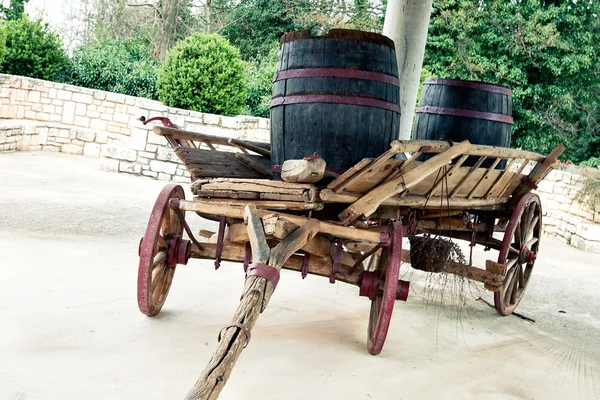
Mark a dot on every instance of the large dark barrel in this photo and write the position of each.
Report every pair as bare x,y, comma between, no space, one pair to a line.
337,95
457,110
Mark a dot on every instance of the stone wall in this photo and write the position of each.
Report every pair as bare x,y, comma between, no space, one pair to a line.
48,116
564,215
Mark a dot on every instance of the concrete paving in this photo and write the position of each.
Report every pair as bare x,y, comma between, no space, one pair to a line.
70,327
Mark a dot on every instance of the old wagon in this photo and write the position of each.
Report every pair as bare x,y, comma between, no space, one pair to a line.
344,227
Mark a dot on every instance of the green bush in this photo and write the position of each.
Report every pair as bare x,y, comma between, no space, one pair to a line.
33,50
593,162
3,49
260,84
122,66
203,73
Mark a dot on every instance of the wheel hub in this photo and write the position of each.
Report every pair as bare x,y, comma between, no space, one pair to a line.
178,251
369,284
526,255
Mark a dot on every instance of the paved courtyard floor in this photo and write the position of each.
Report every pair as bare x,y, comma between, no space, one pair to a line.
70,327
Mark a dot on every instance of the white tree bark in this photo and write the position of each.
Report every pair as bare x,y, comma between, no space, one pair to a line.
406,23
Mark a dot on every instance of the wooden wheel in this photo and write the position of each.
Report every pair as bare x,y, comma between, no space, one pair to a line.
386,277
518,252
160,250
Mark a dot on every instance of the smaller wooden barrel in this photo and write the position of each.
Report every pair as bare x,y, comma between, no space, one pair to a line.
337,95
457,110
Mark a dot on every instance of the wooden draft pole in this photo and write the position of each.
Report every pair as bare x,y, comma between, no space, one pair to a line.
406,23
261,280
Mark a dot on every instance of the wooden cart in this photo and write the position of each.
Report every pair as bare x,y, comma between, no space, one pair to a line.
347,228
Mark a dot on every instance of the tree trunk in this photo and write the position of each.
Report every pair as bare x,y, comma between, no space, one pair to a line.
169,13
406,23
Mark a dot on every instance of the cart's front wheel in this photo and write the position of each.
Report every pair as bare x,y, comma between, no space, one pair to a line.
161,249
518,252
386,275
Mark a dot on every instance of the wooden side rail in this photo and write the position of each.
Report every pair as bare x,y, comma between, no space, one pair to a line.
438,146
201,137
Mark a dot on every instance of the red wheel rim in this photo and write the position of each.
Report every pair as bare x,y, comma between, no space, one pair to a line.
518,252
155,275
382,306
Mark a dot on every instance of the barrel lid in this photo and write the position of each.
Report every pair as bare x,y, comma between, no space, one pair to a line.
349,34
479,85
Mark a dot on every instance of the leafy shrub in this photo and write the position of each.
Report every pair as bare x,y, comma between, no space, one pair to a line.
33,50
2,45
122,66
260,84
203,73
593,162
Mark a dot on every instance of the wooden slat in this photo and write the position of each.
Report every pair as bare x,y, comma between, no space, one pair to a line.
349,173
436,146
497,181
378,163
201,137
513,179
244,144
447,174
202,163
246,159
483,178
268,204
329,196
464,179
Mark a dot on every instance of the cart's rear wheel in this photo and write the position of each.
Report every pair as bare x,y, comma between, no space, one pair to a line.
518,252
161,249
382,306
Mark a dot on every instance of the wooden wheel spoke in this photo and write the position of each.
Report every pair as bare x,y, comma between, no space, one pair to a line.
159,258
521,276
532,226
510,263
518,240
157,278
514,288
162,243
511,282
513,250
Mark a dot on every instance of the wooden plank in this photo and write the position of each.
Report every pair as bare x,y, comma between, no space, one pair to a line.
379,162
447,175
497,181
268,204
349,173
244,144
437,146
324,227
201,137
246,159
329,196
464,179
318,245
202,163
483,178
372,200
262,182
513,180
371,177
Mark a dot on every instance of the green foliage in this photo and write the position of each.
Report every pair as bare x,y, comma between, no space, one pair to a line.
255,24
203,73
548,55
593,162
260,73
125,66
3,49
14,11
33,50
